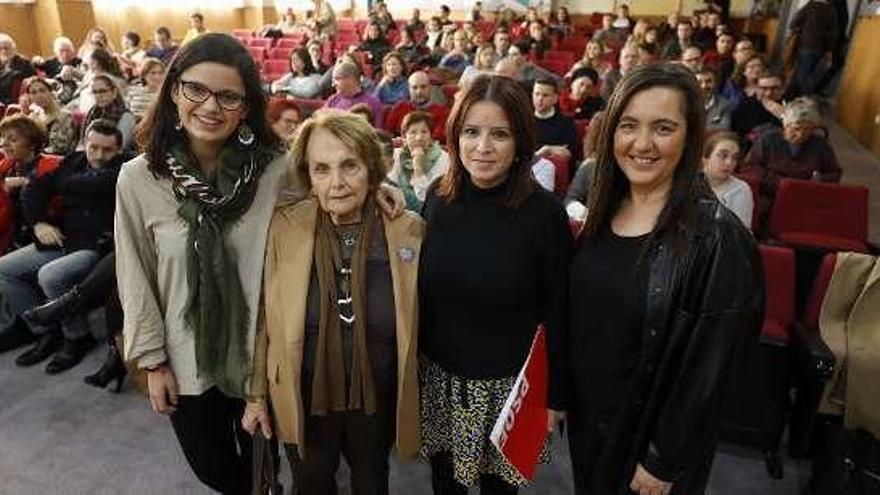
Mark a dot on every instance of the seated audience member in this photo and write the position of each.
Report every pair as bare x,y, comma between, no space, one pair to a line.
327,78
501,42
517,67
537,41
607,35
704,36
99,63
717,107
393,86
196,28
349,91
668,29
163,47
683,39
415,21
13,69
284,116
95,38
583,101
721,155
764,108
554,132
623,20
382,17
409,47
65,55
743,51
420,161
744,82
64,249
289,25
793,152
651,44
721,58
375,44
110,106
459,57
484,63
593,58
692,58
132,55
141,95
530,17
629,59
22,140
433,34
560,22
316,51
44,108
303,81
419,99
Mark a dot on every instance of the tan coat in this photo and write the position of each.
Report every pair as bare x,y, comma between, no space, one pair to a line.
281,326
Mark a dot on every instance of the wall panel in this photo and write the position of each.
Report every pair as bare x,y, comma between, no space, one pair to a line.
858,99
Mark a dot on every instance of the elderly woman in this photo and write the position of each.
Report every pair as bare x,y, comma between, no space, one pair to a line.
794,152
721,155
493,268
336,352
665,291
483,64
44,108
284,117
140,96
393,86
420,161
303,80
110,106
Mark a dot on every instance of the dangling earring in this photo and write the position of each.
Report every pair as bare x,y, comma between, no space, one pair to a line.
245,135
177,125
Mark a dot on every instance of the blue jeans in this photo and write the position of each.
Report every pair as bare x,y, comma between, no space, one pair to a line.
24,270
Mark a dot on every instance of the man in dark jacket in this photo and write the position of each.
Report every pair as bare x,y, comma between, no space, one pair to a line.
13,69
817,30
65,246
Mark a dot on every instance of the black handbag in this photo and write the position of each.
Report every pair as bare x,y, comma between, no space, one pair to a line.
265,473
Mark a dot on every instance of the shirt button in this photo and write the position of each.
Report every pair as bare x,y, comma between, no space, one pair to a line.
652,332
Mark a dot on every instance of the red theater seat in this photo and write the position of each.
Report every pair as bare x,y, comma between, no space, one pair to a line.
820,215
560,178
278,53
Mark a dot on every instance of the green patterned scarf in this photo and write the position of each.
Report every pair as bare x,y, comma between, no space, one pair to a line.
216,310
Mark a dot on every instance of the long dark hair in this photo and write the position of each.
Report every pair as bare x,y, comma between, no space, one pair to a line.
157,133
512,98
304,55
611,186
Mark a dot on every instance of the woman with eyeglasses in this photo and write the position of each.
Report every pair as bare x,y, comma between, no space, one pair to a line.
109,105
192,219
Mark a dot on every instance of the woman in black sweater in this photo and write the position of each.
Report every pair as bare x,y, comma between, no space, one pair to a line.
493,267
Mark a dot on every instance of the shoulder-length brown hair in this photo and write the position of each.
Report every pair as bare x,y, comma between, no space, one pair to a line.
610,185
156,132
512,98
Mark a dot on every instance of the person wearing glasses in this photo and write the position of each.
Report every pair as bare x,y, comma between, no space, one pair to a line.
110,106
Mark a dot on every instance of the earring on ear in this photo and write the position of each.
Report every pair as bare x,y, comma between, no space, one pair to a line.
245,135
178,126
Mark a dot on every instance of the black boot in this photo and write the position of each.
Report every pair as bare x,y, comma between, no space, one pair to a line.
112,369
44,348
72,352
58,309
16,336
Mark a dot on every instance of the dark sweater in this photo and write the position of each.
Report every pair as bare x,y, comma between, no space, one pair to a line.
489,274
557,130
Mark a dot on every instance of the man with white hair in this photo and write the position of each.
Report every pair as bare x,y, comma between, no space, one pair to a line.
65,55
419,99
13,69
793,152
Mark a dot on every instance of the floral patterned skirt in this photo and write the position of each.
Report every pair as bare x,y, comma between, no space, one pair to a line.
457,416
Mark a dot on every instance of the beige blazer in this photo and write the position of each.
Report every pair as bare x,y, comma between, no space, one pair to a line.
281,322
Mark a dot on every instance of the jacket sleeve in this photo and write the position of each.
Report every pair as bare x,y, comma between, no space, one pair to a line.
554,304
259,380
136,274
100,183
829,170
729,297
35,196
755,162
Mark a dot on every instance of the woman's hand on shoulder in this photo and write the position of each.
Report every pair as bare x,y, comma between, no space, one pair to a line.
391,200
256,414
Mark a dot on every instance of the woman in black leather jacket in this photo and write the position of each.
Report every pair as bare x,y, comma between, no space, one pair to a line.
666,290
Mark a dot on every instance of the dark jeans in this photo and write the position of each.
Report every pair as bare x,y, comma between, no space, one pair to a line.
218,450
443,480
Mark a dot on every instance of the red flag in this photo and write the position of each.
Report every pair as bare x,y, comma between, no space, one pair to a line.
521,428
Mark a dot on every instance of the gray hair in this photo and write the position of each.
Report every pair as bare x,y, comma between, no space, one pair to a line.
801,109
346,69
61,41
5,38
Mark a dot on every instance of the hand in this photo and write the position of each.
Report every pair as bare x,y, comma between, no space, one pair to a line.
553,419
773,107
67,73
543,150
48,235
13,183
391,200
256,414
644,483
163,390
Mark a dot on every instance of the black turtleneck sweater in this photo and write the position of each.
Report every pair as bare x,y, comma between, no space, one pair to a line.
489,274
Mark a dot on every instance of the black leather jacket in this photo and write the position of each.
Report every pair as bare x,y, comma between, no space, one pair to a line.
701,311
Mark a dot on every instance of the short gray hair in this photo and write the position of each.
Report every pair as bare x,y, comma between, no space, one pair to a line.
5,38
346,69
61,41
801,109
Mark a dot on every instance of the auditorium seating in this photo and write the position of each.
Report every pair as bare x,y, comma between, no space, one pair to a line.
561,174
818,215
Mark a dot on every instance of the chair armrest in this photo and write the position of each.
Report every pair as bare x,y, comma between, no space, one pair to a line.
815,359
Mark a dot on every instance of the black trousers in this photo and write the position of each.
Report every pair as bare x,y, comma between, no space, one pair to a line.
443,480
364,441
208,427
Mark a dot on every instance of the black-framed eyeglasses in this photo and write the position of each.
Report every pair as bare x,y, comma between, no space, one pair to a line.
199,93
